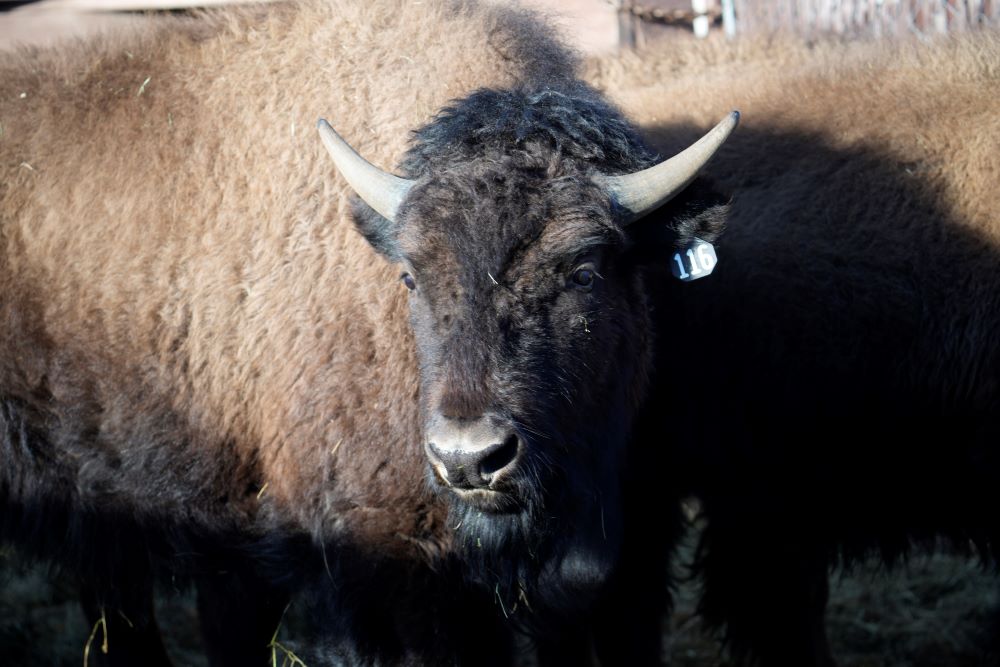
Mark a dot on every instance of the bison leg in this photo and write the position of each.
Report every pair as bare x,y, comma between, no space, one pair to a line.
566,647
768,593
628,627
625,625
127,628
238,615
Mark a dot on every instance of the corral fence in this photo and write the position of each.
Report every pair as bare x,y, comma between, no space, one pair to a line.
637,18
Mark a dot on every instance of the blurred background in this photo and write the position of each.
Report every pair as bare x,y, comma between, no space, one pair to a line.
933,610
595,26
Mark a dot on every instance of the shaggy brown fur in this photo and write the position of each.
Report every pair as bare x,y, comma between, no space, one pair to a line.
844,395
196,344
170,240
208,373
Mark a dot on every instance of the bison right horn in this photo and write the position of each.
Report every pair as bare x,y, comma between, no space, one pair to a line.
380,190
644,191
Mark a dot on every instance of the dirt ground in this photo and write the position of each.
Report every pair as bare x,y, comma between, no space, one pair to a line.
936,611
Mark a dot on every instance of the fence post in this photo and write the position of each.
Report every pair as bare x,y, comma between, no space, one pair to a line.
626,24
729,18
701,21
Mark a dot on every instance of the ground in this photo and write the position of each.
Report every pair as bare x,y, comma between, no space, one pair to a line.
935,611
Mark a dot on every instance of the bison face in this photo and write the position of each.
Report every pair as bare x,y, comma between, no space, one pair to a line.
532,336
530,318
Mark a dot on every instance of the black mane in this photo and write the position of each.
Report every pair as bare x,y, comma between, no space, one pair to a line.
572,121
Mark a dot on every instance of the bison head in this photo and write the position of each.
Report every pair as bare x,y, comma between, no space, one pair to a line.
513,233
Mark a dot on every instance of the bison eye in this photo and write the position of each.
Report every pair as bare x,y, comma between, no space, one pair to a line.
408,280
584,275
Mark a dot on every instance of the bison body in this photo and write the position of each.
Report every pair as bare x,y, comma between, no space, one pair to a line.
850,402
203,360
207,372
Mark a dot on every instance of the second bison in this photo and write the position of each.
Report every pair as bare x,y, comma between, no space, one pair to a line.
847,400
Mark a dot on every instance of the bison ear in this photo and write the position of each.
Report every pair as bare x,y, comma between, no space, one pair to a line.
377,230
698,213
701,213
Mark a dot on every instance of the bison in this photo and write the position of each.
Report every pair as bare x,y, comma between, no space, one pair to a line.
208,373
848,402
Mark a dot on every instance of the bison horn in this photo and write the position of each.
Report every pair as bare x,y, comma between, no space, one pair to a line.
645,191
380,190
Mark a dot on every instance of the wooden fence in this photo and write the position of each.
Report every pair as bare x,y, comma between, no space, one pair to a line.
812,17
871,17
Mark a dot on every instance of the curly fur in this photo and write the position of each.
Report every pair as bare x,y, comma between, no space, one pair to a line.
206,372
199,351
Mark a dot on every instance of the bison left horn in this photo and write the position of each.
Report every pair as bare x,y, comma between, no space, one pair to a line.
380,190
644,191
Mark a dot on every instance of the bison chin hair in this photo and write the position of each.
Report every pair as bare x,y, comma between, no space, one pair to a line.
554,552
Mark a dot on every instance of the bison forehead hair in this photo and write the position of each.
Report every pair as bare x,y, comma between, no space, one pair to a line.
573,122
528,316
504,170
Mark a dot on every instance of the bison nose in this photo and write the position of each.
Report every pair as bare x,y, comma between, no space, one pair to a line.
472,455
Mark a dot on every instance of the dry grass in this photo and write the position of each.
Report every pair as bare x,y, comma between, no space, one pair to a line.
41,622
935,610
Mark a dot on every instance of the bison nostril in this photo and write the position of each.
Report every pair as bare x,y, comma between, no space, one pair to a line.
471,456
499,458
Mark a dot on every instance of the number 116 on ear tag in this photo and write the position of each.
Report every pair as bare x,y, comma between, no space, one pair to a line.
695,260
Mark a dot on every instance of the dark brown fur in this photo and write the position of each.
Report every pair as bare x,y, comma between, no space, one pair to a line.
833,390
503,213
